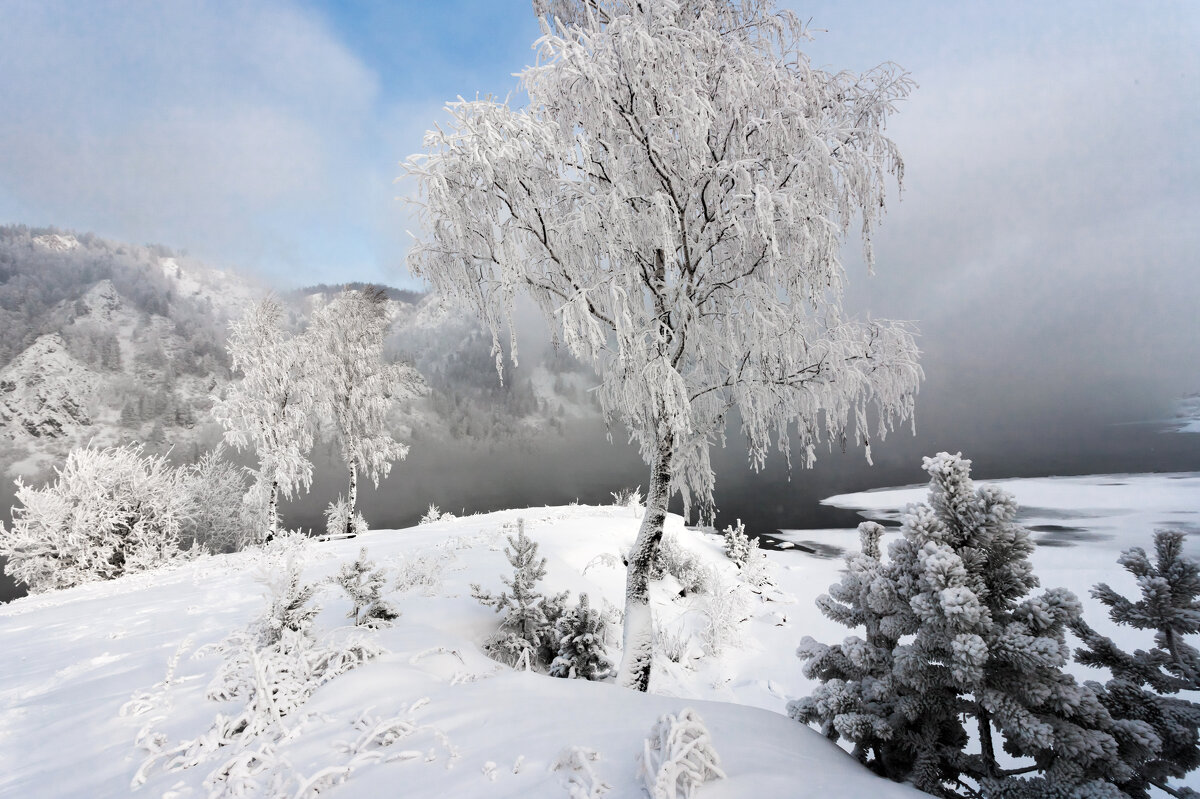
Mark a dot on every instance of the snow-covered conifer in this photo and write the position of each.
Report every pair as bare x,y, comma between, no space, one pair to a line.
270,409
108,512
954,633
526,636
1156,726
581,633
363,583
737,543
674,198
357,387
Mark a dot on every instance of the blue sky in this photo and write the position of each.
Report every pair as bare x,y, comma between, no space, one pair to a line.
1048,225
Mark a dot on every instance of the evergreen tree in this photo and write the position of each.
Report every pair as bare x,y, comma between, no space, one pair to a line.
581,651
953,635
363,583
1157,728
526,636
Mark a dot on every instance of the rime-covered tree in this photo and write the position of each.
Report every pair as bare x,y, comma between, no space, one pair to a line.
271,408
953,634
1157,728
674,198
357,386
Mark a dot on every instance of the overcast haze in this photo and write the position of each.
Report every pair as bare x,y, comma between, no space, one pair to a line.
1045,244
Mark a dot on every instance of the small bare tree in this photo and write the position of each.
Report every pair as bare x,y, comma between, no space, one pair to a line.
674,198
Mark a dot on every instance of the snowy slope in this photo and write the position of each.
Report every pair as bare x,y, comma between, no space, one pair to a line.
73,659
45,392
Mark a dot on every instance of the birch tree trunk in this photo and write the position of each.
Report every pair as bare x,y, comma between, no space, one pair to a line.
273,512
639,624
353,500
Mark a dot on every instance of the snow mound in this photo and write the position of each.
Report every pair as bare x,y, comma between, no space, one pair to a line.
91,669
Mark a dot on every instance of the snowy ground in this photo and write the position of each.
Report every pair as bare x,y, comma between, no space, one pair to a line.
74,659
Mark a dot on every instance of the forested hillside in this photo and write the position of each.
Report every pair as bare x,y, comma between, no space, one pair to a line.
107,342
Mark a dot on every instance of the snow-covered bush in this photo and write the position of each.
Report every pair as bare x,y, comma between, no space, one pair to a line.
757,570
580,779
270,669
1156,727
673,559
725,609
341,519
737,543
435,514
108,512
628,498
678,756
422,572
526,636
582,634
221,521
953,634
363,584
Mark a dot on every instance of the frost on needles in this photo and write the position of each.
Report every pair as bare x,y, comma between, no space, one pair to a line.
955,636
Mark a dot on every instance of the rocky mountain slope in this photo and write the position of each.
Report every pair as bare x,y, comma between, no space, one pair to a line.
107,342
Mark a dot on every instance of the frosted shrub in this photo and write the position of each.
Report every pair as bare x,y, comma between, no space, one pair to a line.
628,498
363,584
435,514
678,757
725,609
422,573
526,637
343,520
221,520
693,576
954,634
579,777
582,634
269,671
737,543
757,570
108,512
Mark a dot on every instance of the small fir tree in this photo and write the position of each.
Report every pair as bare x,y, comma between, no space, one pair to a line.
1157,728
737,543
953,636
526,636
363,583
581,633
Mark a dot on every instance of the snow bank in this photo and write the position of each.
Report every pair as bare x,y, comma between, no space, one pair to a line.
73,659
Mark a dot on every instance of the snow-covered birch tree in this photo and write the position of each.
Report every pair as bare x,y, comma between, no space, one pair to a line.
674,198
271,408
357,386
